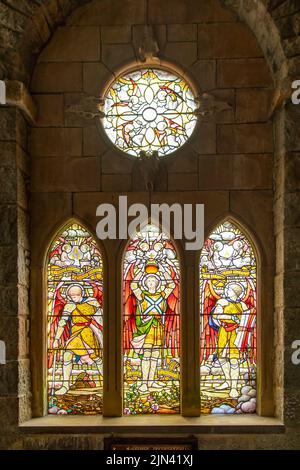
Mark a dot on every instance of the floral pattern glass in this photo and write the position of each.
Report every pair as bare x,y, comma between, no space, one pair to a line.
150,110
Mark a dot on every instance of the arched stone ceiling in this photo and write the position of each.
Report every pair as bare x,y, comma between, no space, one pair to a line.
27,25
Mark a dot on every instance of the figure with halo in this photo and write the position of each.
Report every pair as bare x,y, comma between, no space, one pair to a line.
79,333
153,287
229,316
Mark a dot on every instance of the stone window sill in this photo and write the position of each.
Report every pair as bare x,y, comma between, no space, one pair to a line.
246,424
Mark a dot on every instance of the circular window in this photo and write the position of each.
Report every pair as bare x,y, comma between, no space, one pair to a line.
149,110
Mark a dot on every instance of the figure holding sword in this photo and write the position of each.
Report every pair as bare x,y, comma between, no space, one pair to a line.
235,324
82,318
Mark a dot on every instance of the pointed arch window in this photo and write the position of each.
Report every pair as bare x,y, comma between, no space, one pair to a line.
75,323
228,307
156,367
151,324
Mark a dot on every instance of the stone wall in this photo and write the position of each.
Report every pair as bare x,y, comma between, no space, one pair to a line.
228,165
15,389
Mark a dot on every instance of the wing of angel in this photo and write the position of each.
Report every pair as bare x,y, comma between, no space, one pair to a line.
248,324
208,330
129,310
98,295
58,306
172,325
58,249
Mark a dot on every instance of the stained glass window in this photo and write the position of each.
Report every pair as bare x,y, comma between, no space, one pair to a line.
75,323
151,340
149,110
228,322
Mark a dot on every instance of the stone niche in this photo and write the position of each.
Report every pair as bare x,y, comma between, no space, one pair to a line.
59,165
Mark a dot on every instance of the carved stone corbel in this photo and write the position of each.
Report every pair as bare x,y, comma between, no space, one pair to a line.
87,107
210,106
149,165
145,44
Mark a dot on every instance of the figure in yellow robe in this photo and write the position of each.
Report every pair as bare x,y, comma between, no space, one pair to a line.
86,340
227,316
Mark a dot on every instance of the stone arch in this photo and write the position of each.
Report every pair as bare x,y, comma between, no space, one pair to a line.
32,26
260,21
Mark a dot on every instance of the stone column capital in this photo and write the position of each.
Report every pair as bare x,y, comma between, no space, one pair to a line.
15,93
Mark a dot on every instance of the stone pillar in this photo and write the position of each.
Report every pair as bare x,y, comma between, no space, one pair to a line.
287,231
190,334
291,249
279,273
15,403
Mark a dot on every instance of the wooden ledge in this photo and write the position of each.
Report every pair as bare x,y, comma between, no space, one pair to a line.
153,424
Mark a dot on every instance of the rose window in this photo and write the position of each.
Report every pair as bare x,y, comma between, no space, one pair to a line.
149,110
